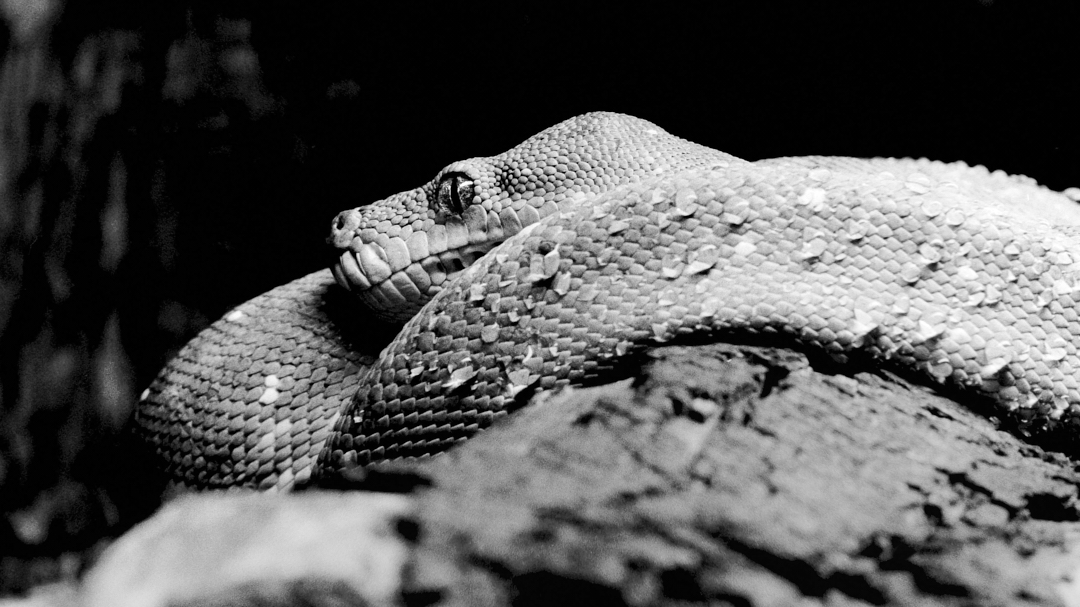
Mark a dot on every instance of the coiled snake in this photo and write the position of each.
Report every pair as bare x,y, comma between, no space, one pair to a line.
545,265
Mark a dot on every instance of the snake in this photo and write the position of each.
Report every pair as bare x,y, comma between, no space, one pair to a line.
448,306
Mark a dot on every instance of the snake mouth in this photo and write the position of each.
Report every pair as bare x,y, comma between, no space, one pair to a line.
394,284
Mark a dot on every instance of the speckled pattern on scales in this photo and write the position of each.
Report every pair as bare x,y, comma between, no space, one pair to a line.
619,236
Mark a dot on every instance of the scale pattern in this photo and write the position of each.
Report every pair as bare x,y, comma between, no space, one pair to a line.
965,278
252,400
398,252
237,406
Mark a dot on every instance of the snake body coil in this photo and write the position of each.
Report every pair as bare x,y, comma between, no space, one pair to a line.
616,236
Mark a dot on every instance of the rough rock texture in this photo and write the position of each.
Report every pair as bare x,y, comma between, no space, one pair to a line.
229,549
721,475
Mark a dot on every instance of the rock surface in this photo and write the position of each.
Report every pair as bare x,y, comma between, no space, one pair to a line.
717,475
264,549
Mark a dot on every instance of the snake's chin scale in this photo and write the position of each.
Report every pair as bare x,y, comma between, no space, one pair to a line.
401,296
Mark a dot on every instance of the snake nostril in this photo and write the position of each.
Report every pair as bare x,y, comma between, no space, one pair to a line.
339,223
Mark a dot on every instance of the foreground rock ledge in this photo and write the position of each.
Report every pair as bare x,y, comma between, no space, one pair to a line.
720,475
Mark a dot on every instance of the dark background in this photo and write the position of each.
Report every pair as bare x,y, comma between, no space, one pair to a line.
162,164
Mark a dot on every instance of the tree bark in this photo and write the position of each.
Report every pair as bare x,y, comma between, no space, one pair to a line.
719,475
104,106
68,162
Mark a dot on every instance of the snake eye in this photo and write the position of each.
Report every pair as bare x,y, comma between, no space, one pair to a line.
455,192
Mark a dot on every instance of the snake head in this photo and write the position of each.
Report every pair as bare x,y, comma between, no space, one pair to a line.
399,252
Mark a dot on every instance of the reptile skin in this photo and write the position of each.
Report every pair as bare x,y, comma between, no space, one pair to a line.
618,237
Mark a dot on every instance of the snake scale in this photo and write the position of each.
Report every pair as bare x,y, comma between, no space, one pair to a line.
546,265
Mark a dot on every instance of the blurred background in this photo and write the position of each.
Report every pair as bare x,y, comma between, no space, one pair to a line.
162,162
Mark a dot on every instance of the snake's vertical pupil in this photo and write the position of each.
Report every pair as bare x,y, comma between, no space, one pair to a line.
462,192
455,193
455,196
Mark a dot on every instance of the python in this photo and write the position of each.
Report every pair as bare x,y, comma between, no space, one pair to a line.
544,266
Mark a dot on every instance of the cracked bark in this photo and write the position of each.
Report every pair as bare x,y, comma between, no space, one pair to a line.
734,475
718,474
